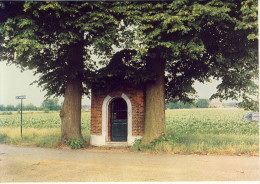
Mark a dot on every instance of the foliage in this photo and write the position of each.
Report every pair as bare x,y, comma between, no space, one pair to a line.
123,69
74,144
30,107
9,108
200,103
158,144
4,138
200,40
178,105
51,104
56,39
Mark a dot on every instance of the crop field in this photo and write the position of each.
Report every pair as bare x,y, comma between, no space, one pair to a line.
208,131
39,128
202,131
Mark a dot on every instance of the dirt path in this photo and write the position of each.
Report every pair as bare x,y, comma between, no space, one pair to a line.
24,164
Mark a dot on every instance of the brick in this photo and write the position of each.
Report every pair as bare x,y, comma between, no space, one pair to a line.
136,96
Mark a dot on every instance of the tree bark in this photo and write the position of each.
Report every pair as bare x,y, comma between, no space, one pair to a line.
155,102
71,111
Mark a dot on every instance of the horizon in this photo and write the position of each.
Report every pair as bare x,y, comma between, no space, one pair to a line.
14,83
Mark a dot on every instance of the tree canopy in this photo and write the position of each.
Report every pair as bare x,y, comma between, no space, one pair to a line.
56,39
201,40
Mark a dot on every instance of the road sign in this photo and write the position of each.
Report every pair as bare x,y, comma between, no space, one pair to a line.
21,97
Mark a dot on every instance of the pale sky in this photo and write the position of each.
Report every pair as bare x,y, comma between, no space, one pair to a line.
13,83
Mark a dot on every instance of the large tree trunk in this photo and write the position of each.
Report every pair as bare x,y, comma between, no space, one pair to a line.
71,111
155,102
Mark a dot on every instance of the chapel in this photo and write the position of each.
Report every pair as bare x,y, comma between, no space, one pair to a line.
117,111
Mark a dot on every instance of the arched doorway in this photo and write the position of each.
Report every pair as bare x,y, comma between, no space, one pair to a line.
118,120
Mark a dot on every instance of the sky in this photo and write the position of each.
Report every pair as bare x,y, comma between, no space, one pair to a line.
14,83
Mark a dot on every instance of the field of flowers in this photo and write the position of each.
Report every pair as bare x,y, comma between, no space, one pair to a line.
217,131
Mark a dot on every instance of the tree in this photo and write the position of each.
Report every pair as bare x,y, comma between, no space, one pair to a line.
56,40
178,105
2,107
30,107
202,103
195,40
51,104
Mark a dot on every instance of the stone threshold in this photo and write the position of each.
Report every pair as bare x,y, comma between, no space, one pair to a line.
116,144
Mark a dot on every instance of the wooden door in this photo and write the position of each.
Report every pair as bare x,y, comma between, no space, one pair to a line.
118,120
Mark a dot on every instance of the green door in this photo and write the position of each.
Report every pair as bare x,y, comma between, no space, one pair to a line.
118,120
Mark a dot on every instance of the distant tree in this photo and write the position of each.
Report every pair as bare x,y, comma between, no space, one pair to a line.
2,108
30,107
202,103
10,108
51,104
18,107
178,105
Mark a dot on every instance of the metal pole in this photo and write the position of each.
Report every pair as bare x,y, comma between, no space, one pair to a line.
21,118
21,97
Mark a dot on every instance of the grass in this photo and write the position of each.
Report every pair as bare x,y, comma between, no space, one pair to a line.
31,136
39,128
202,131
207,131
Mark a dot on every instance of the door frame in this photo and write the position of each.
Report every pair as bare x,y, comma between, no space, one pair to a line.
106,116
102,140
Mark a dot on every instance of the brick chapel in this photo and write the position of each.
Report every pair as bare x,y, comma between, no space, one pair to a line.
118,114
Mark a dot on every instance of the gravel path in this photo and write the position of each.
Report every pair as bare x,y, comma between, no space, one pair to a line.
27,164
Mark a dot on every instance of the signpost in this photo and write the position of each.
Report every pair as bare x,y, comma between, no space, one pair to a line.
21,97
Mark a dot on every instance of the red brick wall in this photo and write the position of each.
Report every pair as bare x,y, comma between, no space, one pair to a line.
136,96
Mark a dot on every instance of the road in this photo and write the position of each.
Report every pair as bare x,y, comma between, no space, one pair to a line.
28,164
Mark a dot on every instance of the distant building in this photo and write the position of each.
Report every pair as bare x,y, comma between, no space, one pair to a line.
254,116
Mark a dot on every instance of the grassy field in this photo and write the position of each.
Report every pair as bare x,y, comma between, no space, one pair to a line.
39,128
202,131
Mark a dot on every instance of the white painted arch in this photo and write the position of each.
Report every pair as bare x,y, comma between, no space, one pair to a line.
102,140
